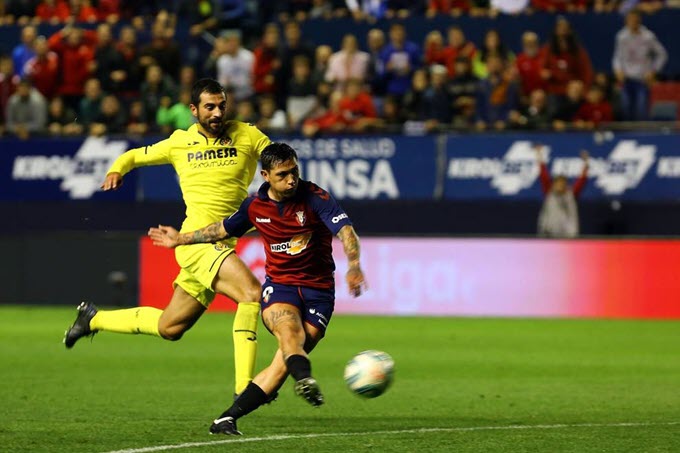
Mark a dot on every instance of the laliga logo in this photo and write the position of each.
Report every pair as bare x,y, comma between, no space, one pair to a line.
81,174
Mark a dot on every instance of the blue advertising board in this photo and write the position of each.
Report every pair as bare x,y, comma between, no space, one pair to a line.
631,166
60,169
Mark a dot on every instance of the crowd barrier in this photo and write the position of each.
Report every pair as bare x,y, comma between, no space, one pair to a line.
498,167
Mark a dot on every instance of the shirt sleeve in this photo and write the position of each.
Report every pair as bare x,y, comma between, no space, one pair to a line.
580,182
546,181
156,154
259,140
238,224
328,210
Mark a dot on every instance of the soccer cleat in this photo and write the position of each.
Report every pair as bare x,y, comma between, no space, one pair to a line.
225,425
81,326
309,390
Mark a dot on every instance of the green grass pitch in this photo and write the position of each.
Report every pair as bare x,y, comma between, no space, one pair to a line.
461,385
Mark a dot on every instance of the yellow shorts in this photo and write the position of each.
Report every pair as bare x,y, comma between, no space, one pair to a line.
200,264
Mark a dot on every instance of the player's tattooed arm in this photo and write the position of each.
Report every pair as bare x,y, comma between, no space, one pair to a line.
166,236
355,276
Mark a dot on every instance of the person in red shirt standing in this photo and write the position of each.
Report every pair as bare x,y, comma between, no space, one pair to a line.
529,64
75,48
458,46
565,60
357,107
43,69
594,111
8,85
267,61
297,221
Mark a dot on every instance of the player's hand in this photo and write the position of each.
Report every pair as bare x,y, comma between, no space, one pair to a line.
113,181
585,156
164,236
355,281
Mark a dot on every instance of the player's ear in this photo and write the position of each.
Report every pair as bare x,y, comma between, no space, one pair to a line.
194,110
265,175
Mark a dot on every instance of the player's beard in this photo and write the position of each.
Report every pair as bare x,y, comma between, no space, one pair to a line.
213,126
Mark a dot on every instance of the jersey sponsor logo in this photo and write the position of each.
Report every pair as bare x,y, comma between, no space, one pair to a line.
263,220
295,246
211,154
300,217
517,170
338,218
81,174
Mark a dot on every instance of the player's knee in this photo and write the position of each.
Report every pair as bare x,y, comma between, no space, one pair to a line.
171,333
251,293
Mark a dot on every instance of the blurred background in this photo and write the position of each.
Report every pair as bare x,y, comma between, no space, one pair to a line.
503,158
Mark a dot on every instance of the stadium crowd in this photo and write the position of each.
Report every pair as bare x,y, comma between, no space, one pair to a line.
124,71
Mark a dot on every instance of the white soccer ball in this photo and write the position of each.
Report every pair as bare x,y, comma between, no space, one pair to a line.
369,373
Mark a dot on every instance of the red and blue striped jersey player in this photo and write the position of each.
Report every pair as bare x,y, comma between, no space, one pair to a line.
297,221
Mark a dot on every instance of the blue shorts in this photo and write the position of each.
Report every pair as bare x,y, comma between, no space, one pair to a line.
315,305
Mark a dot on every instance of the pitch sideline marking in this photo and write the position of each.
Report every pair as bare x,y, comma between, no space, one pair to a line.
239,440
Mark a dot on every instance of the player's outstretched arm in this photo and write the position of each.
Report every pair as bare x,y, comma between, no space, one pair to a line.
355,276
166,236
113,181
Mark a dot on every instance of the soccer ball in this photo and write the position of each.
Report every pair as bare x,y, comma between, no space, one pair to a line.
369,373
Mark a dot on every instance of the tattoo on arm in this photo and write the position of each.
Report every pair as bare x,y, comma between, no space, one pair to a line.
350,243
212,233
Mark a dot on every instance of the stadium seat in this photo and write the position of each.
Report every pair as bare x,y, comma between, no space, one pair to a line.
665,92
664,111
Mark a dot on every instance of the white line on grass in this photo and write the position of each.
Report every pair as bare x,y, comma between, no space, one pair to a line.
240,440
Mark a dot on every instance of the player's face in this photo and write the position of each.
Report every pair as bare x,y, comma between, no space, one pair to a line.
283,179
211,113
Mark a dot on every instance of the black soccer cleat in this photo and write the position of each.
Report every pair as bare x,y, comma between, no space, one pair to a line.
309,390
81,326
225,425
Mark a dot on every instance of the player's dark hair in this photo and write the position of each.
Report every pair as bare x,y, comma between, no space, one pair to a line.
275,154
210,86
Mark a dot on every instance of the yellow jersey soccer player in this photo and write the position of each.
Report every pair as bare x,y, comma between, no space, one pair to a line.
215,160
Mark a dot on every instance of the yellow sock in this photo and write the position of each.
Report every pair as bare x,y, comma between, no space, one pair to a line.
131,320
245,343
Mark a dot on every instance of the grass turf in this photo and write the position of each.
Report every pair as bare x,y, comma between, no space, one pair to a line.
124,392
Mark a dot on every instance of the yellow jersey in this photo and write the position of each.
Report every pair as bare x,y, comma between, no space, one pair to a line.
214,173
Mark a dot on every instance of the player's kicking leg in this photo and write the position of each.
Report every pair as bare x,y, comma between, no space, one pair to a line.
295,341
181,313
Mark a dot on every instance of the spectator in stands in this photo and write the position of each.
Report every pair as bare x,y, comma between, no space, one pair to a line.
20,11
332,120
565,60
481,8
497,97
83,11
301,92
610,93
464,91
245,111
61,119
90,104
295,10
375,40
403,9
458,46
235,67
270,117
25,50
566,108
560,6
594,111
109,65
294,46
111,118
638,56
357,107
155,87
493,46
322,57
438,100
75,48
535,115
176,116
434,49
348,63
109,10
414,104
26,111
267,61
8,86
200,15
559,214
162,50
400,58
392,117
605,6
53,12
529,64
43,69
368,10
455,8
187,78
137,120
127,47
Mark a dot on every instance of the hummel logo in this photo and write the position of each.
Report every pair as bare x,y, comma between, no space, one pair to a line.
261,220
312,310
